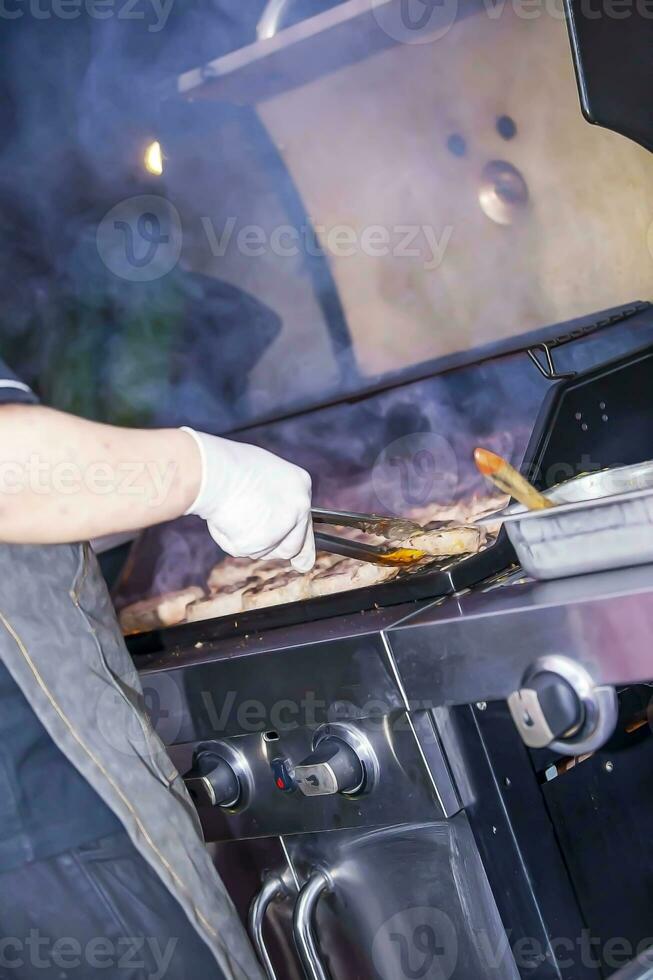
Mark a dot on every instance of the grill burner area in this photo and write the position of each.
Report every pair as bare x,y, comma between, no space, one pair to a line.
559,447
240,585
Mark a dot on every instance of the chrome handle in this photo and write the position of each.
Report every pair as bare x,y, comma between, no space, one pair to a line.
303,925
273,887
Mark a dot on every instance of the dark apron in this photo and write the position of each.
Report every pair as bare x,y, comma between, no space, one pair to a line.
61,643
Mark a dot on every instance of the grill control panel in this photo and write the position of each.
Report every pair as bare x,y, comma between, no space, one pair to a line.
218,777
342,761
559,707
357,773
332,767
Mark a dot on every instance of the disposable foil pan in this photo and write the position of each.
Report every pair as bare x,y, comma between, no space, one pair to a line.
602,520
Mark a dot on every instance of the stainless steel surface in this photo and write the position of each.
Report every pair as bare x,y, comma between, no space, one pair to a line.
409,900
402,857
272,887
477,647
281,679
268,694
599,710
405,789
307,947
464,649
603,520
386,527
430,746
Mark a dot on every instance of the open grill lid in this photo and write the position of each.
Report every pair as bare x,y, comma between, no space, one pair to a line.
613,58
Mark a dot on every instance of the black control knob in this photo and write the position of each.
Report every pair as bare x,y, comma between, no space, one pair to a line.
559,702
212,781
548,708
332,767
559,706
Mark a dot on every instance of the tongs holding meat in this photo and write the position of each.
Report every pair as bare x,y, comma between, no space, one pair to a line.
392,528
410,543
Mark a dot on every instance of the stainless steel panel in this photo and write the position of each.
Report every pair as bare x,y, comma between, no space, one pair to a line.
435,760
405,790
302,676
405,902
478,647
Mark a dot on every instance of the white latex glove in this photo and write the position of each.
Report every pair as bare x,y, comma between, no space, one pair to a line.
256,504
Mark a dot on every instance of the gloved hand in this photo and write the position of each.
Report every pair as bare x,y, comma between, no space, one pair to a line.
256,504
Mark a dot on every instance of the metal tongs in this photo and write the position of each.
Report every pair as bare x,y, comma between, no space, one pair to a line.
392,528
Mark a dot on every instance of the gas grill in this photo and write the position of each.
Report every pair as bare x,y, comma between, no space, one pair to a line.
438,776
569,436
380,716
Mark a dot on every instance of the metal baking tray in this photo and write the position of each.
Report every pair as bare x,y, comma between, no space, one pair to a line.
602,520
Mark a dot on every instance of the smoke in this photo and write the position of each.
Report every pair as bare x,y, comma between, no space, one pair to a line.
237,326
223,338
80,100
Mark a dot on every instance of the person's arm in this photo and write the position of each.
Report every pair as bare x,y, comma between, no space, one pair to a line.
65,479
